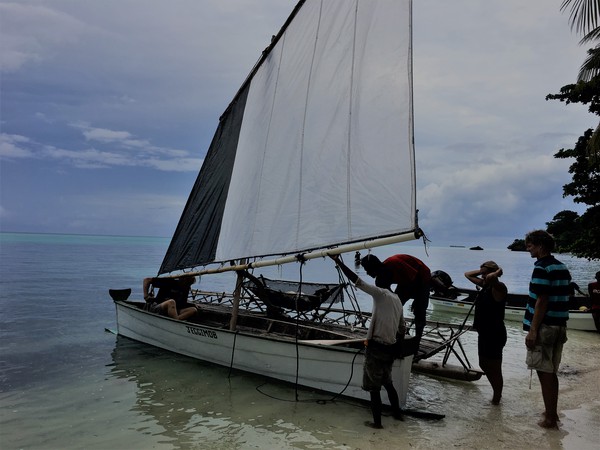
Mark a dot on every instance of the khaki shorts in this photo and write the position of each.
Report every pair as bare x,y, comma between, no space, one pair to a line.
547,353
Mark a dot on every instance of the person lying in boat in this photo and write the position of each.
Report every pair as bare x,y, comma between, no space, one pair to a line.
387,326
412,279
172,297
489,323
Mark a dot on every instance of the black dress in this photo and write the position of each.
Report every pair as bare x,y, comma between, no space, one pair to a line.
489,323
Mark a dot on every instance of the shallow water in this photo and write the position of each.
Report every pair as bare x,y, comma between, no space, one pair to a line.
67,383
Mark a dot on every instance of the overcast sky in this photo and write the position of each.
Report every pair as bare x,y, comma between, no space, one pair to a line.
108,107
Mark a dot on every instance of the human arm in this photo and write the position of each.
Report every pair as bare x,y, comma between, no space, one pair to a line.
541,306
474,276
147,289
499,290
345,269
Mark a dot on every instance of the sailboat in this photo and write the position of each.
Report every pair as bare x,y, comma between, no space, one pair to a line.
314,156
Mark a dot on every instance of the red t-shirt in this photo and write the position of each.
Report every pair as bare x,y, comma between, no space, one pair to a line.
406,269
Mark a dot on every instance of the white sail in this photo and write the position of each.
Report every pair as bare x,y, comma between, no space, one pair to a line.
325,148
325,151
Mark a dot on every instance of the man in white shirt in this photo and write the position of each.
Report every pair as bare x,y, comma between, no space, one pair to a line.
387,325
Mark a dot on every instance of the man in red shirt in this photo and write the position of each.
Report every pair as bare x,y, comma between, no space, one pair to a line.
412,279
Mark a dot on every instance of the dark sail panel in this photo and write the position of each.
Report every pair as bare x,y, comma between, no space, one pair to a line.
195,240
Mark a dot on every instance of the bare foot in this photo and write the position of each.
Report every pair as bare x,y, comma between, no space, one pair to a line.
556,418
548,423
377,426
496,400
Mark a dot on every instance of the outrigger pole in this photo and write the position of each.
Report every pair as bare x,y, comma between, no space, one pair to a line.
321,253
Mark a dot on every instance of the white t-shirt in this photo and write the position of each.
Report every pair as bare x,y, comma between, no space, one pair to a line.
387,313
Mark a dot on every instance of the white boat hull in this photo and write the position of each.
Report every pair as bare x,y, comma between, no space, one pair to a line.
578,320
321,366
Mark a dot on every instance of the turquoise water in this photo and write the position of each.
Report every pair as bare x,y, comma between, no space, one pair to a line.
67,383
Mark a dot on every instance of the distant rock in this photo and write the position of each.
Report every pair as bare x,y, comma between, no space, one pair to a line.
518,245
476,248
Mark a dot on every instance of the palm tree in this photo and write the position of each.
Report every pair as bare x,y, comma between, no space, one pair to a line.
584,17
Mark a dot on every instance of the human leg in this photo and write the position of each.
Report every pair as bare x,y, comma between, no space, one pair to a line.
420,304
170,307
550,386
375,409
394,402
376,373
186,313
490,344
493,371
552,339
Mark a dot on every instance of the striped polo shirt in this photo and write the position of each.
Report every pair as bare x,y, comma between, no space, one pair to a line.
550,277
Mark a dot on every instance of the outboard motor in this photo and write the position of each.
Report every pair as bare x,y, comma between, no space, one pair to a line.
441,284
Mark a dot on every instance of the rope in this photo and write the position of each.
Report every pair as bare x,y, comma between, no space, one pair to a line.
232,353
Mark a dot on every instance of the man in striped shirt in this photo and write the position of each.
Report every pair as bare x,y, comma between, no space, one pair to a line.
546,318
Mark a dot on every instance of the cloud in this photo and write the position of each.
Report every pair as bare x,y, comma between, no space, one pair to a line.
31,33
124,151
14,146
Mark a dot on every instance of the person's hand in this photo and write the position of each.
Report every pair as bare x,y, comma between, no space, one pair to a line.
530,339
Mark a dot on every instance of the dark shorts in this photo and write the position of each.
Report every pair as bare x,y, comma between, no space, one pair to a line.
156,309
490,343
377,370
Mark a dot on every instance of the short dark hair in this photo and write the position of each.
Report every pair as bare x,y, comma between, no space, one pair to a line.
370,262
542,238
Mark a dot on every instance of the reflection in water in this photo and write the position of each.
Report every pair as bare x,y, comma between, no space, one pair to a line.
190,403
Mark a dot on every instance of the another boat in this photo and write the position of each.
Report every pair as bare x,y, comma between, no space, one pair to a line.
313,156
461,302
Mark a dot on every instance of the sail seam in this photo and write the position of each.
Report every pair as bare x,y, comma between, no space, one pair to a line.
349,137
306,100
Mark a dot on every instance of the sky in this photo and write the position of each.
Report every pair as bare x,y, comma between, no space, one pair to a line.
107,109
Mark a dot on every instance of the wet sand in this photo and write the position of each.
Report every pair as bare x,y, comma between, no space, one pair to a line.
512,424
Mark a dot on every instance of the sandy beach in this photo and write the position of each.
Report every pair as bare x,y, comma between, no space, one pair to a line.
512,424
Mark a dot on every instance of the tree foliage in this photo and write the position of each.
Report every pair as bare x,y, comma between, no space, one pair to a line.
577,234
518,245
565,228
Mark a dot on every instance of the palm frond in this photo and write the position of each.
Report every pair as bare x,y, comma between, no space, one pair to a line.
593,35
584,14
591,66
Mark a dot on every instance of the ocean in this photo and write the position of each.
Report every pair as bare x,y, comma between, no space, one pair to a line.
68,382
